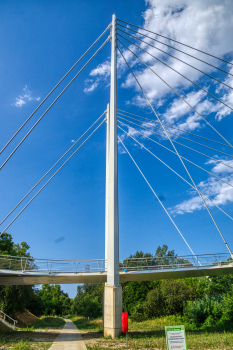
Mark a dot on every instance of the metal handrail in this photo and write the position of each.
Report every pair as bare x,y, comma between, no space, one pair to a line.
5,315
26,264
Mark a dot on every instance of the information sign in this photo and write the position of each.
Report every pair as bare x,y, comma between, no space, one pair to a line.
175,338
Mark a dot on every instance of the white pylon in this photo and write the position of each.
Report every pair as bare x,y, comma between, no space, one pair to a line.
113,290
113,217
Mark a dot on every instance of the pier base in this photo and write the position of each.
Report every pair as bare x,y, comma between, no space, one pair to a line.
112,311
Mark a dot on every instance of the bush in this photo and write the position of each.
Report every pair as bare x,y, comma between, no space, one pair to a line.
134,293
207,310
175,293
154,304
138,314
227,307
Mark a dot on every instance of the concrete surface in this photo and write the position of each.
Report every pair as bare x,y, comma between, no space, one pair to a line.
69,338
9,277
112,311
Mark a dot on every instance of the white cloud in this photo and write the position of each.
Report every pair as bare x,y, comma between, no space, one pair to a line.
92,86
101,72
202,24
221,168
72,141
19,102
103,69
219,192
24,98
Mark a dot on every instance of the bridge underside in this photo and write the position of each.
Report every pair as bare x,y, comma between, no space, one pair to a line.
8,277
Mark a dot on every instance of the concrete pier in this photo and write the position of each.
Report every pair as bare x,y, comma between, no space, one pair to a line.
112,311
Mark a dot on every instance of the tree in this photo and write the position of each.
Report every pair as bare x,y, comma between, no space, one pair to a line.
8,247
134,293
162,256
14,298
175,293
154,305
89,300
53,300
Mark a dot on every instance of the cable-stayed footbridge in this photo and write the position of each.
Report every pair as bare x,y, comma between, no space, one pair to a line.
111,270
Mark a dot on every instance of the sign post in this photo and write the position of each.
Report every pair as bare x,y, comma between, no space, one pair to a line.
176,338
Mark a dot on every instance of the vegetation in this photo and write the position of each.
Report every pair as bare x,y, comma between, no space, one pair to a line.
27,344
89,300
49,300
83,324
150,334
205,303
38,335
14,298
201,304
48,322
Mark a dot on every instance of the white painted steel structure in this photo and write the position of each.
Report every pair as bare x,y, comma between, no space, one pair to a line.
112,168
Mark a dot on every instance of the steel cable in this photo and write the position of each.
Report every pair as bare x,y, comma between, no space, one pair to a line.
184,75
181,144
196,58
174,172
51,169
54,89
155,127
177,94
173,127
178,42
53,103
51,178
178,155
158,199
181,157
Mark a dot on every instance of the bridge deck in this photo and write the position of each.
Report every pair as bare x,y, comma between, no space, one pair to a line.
9,277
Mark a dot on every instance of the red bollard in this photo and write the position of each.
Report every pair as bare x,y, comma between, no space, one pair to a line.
125,326
124,322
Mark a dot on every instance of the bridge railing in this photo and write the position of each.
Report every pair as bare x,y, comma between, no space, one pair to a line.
50,266
175,262
25,264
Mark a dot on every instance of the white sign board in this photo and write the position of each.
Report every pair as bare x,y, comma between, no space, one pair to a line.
175,338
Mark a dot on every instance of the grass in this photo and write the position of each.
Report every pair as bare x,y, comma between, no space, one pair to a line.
84,324
23,344
37,336
47,322
150,334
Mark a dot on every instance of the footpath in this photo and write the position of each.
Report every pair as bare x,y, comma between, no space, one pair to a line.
69,338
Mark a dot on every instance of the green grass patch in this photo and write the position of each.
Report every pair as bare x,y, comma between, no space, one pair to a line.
84,324
26,344
150,334
47,322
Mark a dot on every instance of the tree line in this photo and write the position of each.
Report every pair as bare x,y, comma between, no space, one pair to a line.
48,300
201,301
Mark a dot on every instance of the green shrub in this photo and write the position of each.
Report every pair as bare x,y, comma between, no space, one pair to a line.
227,307
154,304
138,313
207,310
175,293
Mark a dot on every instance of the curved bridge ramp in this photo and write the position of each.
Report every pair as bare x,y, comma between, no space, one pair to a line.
25,271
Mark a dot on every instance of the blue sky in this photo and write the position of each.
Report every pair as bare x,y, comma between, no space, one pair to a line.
40,41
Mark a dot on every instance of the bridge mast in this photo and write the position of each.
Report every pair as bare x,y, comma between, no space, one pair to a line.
113,290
